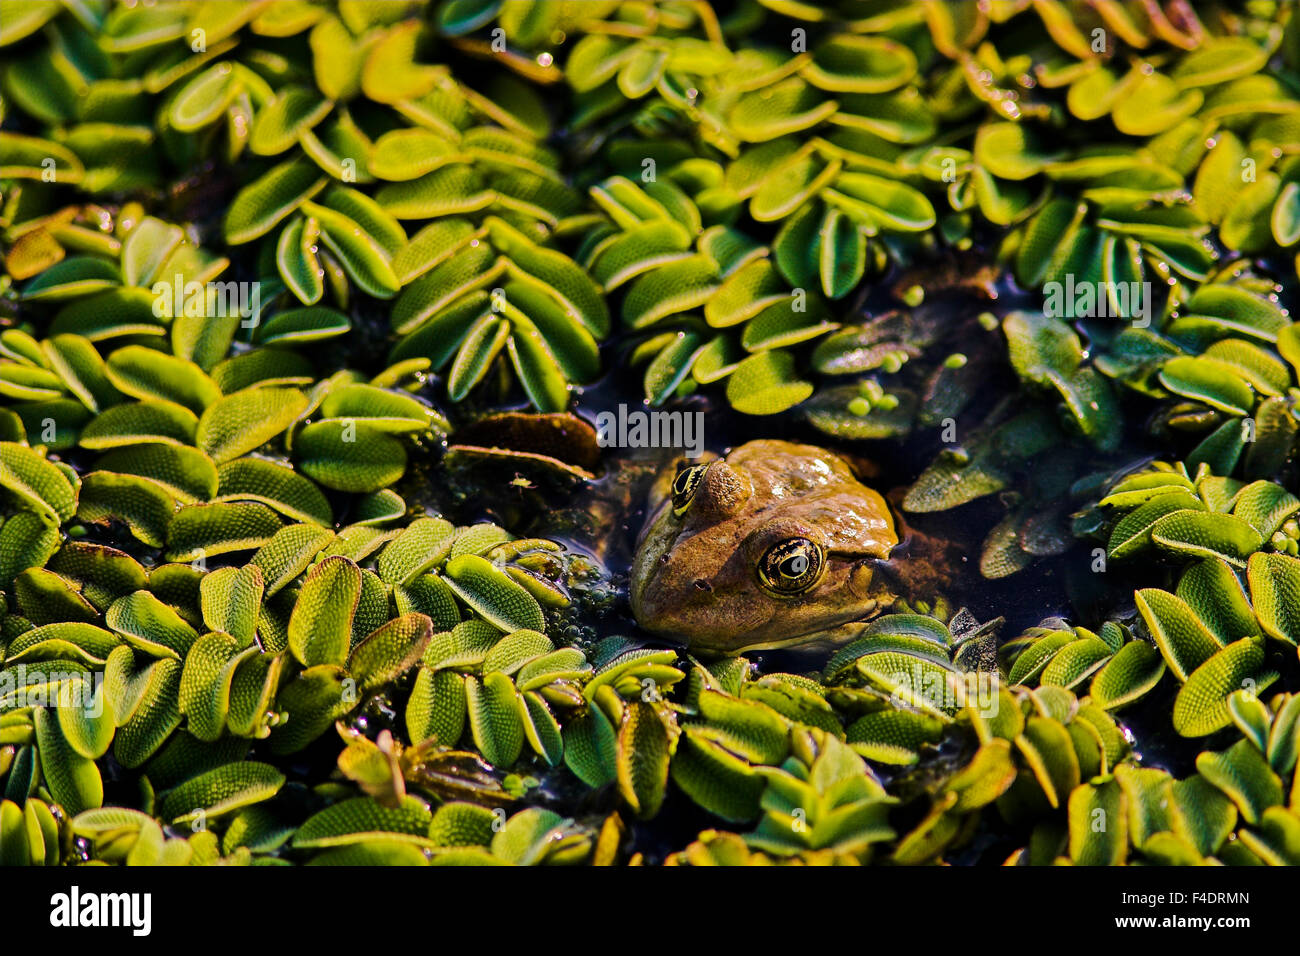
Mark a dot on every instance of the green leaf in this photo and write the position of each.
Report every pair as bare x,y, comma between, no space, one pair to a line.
1212,590
1133,532
366,261
672,289
320,629
1010,151
220,791
788,106
1285,221
842,254
74,276
77,362
452,189
147,247
404,154
494,718
1200,534
1127,676
361,819
301,326
201,531
205,97
240,423
288,552
766,384
297,261
145,507
882,203
37,483
390,74
436,707
860,64
209,668
1209,381
148,374
1275,593
493,594
590,748
790,185
279,122
139,423
642,758
151,626
671,366
230,601
420,546
313,701
1265,505
712,777
515,650
73,779
1201,707
537,367
274,485
349,455
1090,845
153,717
265,202
1242,773
390,651
1183,640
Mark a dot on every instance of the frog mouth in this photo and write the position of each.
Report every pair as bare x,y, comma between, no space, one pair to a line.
669,616
823,637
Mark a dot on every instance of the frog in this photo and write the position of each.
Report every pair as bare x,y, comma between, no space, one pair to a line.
775,545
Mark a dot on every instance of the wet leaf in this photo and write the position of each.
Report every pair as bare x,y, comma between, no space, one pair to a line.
1202,704
493,594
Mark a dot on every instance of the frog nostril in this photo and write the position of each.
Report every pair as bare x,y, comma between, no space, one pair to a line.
703,585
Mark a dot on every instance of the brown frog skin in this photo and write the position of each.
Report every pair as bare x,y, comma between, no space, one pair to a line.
775,545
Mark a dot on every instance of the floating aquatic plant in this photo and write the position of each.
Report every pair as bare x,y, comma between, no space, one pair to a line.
260,257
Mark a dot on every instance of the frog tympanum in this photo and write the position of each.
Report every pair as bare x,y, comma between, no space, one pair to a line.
776,544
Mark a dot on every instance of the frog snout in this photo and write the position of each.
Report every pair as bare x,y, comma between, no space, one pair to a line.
665,599
661,606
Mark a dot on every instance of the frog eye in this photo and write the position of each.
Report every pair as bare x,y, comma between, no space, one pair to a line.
792,566
684,485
